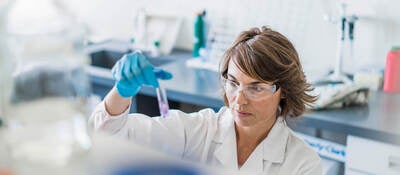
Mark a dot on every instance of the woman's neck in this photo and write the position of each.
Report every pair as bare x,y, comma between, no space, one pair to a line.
254,134
248,138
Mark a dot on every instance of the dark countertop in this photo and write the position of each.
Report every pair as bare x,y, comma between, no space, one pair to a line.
379,120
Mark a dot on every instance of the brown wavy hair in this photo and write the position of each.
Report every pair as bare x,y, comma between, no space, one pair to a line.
268,56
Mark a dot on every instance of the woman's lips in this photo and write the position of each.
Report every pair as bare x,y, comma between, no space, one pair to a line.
242,113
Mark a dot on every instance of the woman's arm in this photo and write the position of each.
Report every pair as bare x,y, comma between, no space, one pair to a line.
115,104
130,73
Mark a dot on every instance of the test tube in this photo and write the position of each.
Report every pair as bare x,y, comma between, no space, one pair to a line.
162,101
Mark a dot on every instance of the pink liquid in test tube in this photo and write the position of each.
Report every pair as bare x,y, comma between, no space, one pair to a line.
162,101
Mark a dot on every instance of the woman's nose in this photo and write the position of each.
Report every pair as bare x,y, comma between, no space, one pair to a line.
240,97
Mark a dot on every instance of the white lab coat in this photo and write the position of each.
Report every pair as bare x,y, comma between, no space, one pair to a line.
209,137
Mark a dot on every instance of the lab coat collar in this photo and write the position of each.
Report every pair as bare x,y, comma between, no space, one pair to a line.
225,138
272,148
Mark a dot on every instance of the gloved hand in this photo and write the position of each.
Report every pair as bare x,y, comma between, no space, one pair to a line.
132,71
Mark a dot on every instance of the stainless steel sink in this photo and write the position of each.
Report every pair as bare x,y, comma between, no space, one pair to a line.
106,54
107,58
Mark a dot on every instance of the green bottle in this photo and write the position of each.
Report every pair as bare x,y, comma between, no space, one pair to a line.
198,35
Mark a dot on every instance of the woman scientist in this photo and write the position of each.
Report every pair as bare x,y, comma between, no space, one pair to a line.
263,84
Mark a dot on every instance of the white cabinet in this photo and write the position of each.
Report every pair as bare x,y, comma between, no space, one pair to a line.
366,157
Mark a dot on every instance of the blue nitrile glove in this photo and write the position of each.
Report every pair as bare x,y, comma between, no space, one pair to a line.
132,71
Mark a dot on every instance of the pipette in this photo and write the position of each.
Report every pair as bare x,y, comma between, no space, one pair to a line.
162,101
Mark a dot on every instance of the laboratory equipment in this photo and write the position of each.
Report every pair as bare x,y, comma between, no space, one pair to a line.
198,35
338,76
351,20
340,95
392,71
140,30
162,101
155,49
150,28
220,36
372,78
44,89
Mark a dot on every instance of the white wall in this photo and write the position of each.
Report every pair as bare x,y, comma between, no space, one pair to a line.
301,20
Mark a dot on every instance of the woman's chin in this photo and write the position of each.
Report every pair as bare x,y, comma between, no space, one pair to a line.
243,122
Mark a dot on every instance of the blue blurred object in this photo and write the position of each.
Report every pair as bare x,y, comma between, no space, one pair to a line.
132,71
157,169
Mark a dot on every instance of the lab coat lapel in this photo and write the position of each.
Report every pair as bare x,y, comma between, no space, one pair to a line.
255,163
274,146
271,150
225,151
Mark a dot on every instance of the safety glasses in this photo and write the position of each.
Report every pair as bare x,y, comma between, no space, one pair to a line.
252,91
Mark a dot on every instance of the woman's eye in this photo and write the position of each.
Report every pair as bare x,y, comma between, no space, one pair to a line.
257,88
232,83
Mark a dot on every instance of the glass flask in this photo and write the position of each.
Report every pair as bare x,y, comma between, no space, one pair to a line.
44,88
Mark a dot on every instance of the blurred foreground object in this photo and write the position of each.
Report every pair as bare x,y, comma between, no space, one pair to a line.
112,155
44,88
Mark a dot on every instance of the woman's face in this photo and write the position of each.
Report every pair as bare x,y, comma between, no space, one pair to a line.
254,111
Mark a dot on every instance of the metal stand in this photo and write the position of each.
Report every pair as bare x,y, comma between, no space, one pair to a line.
338,76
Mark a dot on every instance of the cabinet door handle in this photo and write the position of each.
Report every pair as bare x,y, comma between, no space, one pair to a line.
394,162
